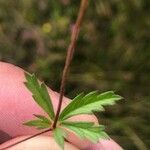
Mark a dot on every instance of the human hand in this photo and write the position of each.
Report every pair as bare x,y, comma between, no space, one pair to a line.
17,106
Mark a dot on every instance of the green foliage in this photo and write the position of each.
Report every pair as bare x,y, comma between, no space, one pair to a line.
81,104
86,130
59,136
86,104
43,118
40,94
39,124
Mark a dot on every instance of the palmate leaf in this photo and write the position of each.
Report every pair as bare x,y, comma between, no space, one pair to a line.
40,94
81,104
86,130
59,135
86,104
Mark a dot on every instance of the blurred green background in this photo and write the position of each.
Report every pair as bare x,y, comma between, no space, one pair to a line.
113,53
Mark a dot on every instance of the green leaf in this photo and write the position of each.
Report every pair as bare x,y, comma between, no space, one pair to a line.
79,124
40,94
74,126
86,104
59,135
86,130
40,124
43,118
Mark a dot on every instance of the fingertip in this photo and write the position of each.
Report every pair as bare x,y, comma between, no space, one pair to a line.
105,145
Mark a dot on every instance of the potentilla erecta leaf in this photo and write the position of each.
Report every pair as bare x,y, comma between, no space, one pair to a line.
86,130
40,94
86,104
81,104
59,135
43,118
39,124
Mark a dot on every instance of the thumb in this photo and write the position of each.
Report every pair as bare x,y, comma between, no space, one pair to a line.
37,143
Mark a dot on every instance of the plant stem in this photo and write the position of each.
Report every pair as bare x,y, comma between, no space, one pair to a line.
28,138
70,53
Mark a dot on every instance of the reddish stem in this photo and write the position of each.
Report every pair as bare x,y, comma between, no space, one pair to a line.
70,53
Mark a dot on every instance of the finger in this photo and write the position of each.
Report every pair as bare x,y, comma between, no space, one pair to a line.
37,143
104,145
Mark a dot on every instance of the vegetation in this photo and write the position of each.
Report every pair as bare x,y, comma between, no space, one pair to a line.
112,54
81,104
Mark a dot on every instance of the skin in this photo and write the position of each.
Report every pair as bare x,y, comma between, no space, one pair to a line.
38,143
17,106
